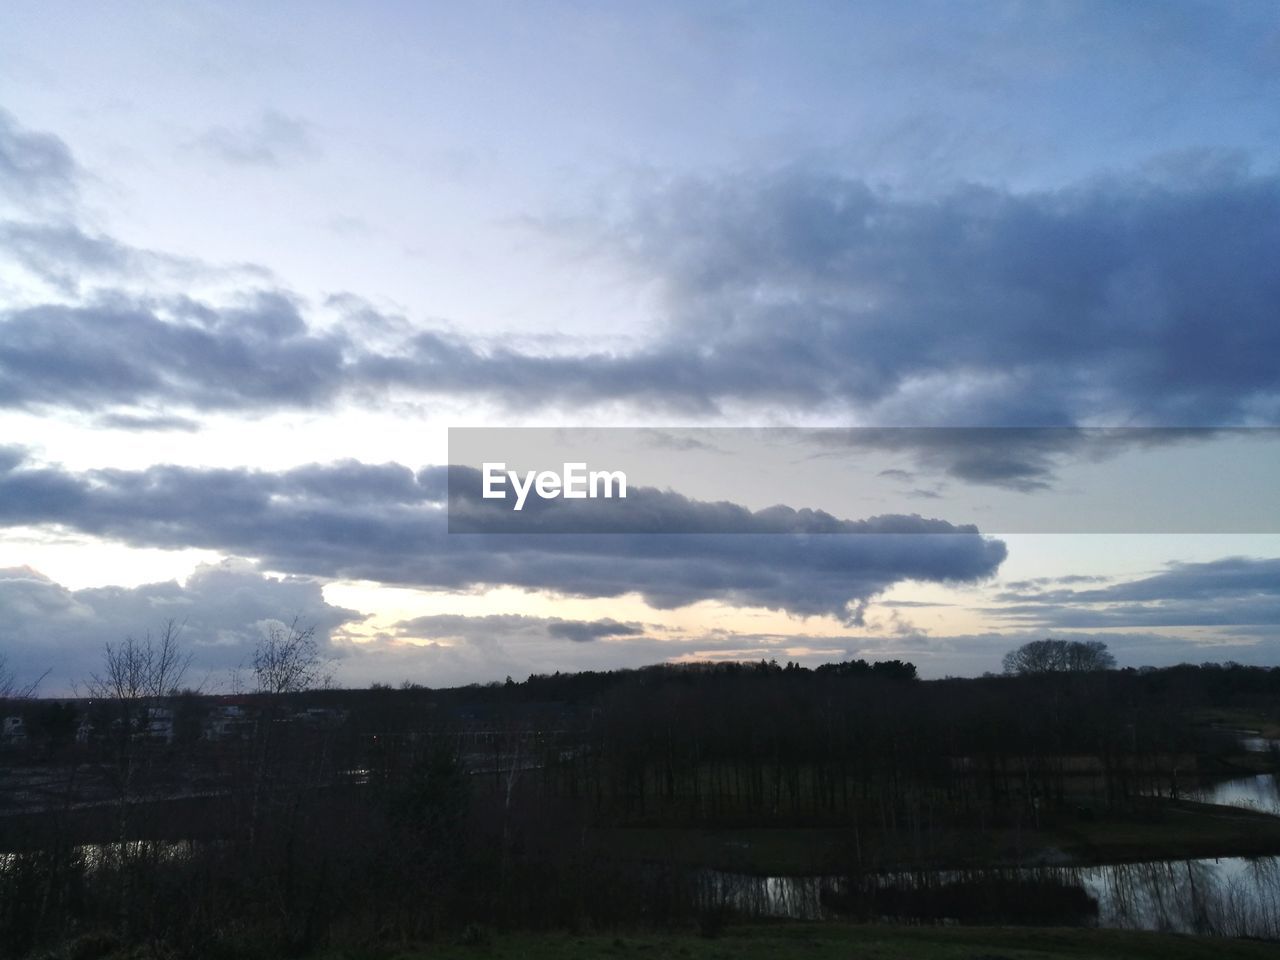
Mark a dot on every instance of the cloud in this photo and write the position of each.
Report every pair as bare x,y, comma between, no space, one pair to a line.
65,257
62,254
437,627
270,140
256,354
141,422
1231,592
1117,300
1024,459
223,609
586,631
35,168
387,524
652,511
447,649
1137,299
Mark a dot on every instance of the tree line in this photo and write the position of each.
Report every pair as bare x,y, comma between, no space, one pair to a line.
412,812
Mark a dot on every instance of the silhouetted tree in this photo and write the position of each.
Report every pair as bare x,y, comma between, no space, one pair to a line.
288,660
1058,656
141,669
9,686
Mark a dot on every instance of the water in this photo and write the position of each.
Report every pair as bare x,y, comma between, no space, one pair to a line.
1254,792
1253,743
1258,792
95,856
1230,896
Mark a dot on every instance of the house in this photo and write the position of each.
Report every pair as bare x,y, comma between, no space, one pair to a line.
159,725
228,721
327,717
13,731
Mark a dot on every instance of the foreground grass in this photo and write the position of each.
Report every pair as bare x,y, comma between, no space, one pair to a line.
820,942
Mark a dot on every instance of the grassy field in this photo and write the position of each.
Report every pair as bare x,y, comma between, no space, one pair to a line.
820,942
1175,831
1267,724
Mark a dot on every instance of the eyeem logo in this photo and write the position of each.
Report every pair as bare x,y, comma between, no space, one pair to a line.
572,483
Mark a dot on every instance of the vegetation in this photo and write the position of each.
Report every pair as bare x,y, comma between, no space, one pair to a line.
299,819
1058,656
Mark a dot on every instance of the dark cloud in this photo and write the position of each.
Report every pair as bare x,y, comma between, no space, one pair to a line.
1024,459
34,167
62,254
582,631
270,140
119,351
682,443
455,627
1120,300
65,256
145,422
653,511
385,523
1142,300
1014,586
1231,592
223,608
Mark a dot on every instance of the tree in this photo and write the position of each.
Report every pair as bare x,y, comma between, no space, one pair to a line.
1058,656
9,688
288,660
142,669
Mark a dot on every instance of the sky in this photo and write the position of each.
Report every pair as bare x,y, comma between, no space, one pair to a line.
256,261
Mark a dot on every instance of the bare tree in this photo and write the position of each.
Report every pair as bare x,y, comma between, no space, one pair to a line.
141,669
135,673
9,686
288,660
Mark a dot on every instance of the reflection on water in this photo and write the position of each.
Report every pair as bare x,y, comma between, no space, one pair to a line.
1235,896
1232,896
1252,743
1257,792
95,856
799,898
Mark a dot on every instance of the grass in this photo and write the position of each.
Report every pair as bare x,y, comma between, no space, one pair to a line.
1172,831
847,942
1266,723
